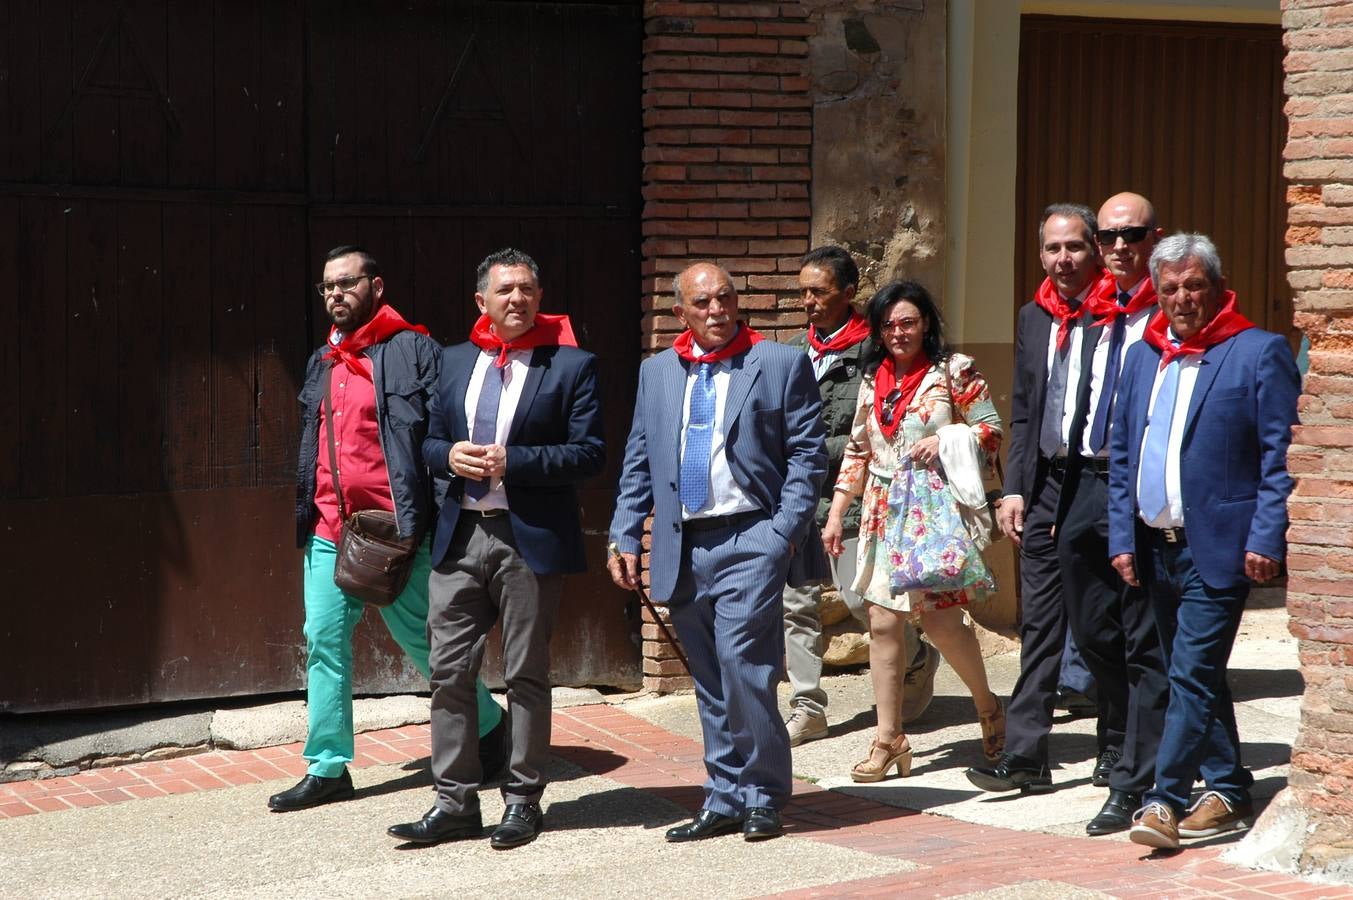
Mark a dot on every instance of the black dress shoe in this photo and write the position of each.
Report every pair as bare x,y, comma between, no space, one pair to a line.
494,750
1104,766
762,822
706,825
438,825
1116,814
1080,706
521,823
1013,773
312,790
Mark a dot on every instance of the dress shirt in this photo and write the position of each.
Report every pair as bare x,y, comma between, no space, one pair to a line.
514,379
820,366
1136,327
357,444
1173,514
1073,363
725,496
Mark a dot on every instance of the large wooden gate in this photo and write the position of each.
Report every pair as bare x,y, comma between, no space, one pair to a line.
170,177
1190,114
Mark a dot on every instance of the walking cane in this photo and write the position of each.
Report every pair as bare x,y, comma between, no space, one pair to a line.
653,611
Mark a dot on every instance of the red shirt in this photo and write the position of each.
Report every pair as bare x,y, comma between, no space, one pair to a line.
357,442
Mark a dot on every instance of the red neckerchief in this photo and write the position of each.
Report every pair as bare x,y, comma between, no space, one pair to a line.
848,335
1103,300
548,331
738,343
885,379
384,324
1056,306
1227,323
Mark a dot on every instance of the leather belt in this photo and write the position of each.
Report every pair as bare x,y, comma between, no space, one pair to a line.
1096,464
484,513
710,523
1170,535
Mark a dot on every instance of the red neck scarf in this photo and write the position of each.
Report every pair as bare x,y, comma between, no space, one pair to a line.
1103,300
885,381
548,331
738,343
848,335
1061,311
383,325
1226,324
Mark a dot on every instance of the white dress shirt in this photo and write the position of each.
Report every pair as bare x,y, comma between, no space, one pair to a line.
1173,514
1073,364
514,379
725,497
820,366
1136,327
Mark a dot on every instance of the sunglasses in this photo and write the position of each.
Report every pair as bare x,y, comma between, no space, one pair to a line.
890,407
1132,234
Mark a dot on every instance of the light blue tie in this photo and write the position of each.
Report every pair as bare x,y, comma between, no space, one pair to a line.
694,489
486,423
1151,491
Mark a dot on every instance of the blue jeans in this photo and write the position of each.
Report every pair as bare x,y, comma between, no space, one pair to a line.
330,617
1197,626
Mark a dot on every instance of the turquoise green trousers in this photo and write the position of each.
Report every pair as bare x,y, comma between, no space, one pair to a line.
330,617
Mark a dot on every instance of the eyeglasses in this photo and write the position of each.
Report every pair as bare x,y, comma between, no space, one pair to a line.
1131,234
890,407
343,285
908,324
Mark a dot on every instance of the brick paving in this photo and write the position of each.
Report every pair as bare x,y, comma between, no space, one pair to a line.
953,857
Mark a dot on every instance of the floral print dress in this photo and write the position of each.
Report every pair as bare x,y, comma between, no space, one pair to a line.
870,460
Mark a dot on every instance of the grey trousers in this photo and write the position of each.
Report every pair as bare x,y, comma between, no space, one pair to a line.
484,579
803,632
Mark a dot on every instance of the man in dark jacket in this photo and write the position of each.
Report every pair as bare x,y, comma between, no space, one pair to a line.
837,342
378,371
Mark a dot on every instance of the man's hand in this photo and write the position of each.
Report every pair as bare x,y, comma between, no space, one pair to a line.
1259,568
624,569
1125,565
477,461
1010,516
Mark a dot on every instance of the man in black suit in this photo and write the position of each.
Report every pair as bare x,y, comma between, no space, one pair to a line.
1052,351
515,423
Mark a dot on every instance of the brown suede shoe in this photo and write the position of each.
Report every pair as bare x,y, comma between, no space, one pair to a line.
1214,814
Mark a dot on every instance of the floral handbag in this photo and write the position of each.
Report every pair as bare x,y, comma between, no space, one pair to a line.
928,542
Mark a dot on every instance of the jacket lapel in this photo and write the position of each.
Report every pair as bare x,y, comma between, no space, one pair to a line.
535,374
744,373
670,404
1207,374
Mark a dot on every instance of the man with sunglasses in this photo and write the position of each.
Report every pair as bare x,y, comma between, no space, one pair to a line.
1052,350
1112,624
375,373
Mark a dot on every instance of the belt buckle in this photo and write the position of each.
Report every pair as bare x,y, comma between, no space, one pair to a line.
1171,535
491,513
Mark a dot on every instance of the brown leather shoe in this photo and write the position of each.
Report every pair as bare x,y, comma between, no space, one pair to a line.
1154,826
1214,814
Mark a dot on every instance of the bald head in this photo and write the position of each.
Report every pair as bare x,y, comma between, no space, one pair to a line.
707,304
1127,234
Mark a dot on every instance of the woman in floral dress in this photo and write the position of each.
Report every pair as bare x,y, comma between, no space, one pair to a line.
903,402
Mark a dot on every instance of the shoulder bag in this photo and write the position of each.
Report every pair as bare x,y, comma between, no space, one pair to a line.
984,519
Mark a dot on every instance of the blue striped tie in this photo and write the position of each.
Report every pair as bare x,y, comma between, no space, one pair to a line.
1151,496
694,488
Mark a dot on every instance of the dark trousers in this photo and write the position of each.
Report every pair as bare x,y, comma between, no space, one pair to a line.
727,611
1198,626
1116,631
1042,628
483,579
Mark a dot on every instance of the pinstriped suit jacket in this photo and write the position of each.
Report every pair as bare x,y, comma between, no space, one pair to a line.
775,445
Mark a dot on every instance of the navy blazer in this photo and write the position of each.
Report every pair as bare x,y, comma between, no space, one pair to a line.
555,442
1233,460
774,441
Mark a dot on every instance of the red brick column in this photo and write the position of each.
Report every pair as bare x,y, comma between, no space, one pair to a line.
1309,825
727,135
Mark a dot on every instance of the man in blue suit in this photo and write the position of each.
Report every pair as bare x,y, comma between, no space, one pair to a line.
728,453
514,425
1198,490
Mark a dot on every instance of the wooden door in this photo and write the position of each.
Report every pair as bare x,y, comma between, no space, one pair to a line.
1189,114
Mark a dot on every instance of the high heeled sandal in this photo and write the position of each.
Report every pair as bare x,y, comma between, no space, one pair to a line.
881,758
993,732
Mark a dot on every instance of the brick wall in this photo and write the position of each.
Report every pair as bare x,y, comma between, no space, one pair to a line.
727,137
1319,164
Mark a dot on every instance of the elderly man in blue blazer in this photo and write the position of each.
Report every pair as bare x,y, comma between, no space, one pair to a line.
1198,490
728,453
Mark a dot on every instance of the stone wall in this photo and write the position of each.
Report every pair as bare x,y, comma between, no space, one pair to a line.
1309,827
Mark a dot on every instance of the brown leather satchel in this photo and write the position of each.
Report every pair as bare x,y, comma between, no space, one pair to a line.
374,562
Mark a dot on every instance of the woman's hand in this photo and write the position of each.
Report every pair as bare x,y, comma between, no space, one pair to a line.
831,535
926,451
